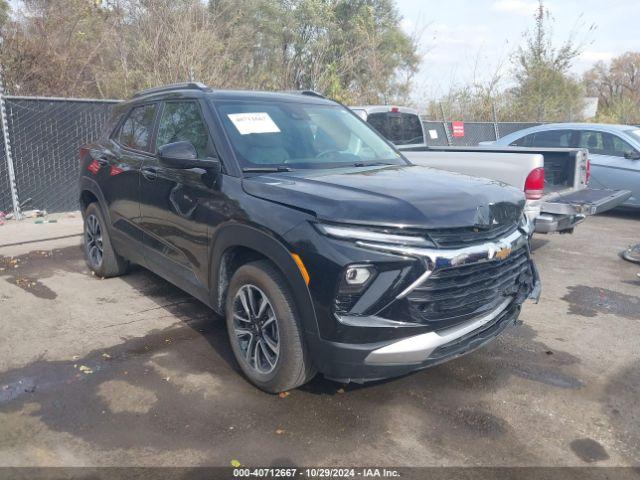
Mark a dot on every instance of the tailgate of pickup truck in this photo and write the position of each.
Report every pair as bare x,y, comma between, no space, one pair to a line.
584,202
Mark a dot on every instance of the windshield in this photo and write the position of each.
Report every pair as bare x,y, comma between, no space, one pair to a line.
296,135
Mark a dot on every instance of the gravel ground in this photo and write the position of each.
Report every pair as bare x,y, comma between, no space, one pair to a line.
132,371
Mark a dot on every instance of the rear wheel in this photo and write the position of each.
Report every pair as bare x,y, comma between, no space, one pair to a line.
100,255
264,331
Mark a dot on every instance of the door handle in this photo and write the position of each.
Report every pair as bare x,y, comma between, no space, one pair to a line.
150,173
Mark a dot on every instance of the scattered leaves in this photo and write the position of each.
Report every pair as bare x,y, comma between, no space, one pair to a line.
279,431
85,369
283,394
235,463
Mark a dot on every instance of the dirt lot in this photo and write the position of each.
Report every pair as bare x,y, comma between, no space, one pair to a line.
131,371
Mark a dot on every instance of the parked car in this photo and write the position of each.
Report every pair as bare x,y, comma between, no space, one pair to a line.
554,180
614,151
307,231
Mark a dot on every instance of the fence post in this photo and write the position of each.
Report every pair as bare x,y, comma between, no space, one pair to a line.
17,214
495,121
445,125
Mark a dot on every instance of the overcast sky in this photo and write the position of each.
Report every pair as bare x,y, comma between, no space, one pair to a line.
459,34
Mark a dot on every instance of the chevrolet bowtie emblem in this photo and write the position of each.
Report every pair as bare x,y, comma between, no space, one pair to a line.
503,253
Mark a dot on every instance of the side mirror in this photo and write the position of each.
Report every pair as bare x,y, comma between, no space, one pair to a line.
183,155
632,155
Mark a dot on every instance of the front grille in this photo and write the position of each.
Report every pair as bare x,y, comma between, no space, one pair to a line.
464,237
453,295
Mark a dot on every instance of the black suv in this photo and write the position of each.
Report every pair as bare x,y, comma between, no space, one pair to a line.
321,245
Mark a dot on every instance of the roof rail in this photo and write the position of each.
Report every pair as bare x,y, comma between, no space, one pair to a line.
310,93
174,86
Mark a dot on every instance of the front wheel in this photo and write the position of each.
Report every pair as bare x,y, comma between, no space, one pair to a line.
264,332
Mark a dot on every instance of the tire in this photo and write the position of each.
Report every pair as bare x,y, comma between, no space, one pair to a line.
99,254
273,372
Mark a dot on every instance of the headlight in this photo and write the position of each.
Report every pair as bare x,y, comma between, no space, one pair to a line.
378,235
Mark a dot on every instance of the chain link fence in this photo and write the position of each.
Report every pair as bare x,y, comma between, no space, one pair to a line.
5,181
45,135
440,134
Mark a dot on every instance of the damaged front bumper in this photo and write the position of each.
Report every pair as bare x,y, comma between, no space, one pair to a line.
363,362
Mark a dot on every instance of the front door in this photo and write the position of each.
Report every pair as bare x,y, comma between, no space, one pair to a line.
174,202
609,166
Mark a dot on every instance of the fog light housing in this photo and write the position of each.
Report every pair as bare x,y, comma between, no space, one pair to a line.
352,283
355,278
358,275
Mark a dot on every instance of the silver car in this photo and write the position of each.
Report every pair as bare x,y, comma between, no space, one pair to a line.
614,151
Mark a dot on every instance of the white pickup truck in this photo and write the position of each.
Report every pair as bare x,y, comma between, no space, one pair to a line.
554,180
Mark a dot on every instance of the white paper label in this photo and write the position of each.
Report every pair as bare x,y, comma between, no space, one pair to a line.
433,134
259,122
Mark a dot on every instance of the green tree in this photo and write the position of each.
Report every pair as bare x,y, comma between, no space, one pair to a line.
53,47
5,11
617,86
545,90
350,50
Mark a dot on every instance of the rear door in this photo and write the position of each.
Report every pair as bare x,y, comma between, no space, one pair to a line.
174,201
119,174
610,167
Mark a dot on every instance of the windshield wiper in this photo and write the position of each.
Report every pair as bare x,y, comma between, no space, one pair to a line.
265,169
371,164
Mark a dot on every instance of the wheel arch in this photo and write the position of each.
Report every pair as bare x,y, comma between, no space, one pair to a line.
236,245
90,192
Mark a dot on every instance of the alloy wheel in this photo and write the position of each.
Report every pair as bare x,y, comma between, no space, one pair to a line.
256,329
93,241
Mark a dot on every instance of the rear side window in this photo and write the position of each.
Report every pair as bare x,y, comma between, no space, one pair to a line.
182,121
552,139
594,141
524,141
136,129
398,128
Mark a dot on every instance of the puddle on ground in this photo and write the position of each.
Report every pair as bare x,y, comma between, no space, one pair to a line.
588,450
589,301
33,286
26,271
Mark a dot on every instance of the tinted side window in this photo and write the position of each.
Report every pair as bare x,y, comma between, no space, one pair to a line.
136,129
182,121
552,138
594,141
398,128
524,141
603,143
619,147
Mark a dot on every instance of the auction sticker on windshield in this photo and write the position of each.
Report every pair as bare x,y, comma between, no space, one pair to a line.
259,122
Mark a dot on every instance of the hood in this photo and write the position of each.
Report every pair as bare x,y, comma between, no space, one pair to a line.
392,195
